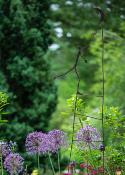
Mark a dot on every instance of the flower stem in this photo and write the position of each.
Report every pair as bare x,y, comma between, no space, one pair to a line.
52,167
26,170
1,164
93,161
38,162
59,162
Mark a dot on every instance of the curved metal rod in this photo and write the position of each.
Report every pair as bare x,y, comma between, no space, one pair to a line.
74,68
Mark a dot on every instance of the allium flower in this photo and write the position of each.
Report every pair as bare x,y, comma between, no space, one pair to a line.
36,142
101,147
14,163
88,137
5,149
57,139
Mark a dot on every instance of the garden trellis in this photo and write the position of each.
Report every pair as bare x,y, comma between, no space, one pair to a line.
81,51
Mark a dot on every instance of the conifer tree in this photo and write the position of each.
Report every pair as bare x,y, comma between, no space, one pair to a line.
25,73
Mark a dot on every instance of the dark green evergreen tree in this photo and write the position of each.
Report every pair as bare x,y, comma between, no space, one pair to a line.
25,72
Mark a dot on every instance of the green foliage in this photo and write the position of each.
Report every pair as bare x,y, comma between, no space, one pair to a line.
78,20
3,99
114,68
25,71
3,104
114,136
115,126
115,159
80,107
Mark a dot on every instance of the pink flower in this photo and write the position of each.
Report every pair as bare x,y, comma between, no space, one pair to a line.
89,167
94,172
100,169
83,165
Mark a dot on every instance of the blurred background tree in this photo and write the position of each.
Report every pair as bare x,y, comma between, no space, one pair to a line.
25,73
74,21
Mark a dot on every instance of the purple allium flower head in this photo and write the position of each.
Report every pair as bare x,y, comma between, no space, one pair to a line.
36,142
57,139
88,137
101,147
14,163
5,149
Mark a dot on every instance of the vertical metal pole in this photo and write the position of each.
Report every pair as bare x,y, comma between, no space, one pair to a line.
103,93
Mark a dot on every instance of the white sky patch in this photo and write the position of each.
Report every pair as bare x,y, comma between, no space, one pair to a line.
69,34
54,47
54,7
108,9
59,32
88,5
80,4
108,2
122,16
121,8
68,2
